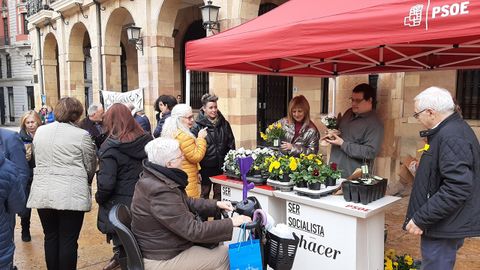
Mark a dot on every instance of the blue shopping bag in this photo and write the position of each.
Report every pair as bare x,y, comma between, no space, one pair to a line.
245,255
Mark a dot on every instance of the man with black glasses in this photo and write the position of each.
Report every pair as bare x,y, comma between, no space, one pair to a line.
361,133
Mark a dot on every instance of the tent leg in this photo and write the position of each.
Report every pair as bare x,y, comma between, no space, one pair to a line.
334,95
187,87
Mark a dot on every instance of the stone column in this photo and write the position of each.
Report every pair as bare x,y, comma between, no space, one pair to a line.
50,81
75,79
111,73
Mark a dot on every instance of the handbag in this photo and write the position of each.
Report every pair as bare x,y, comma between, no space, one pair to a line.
245,254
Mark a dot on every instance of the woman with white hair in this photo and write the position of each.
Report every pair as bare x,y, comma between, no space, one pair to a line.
178,126
165,221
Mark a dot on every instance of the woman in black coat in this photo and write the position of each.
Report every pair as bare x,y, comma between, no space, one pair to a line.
121,156
29,124
220,140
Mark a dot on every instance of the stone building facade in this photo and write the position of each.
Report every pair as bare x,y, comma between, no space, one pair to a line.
71,36
16,85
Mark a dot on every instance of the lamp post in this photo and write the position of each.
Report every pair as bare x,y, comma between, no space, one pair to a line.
28,59
133,35
210,16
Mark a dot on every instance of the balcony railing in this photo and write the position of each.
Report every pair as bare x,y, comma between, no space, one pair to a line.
35,6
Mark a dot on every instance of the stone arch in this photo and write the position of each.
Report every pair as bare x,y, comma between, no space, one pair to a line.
51,69
115,37
79,62
173,21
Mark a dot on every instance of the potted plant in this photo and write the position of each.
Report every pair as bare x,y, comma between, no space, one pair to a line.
331,123
331,174
273,134
280,167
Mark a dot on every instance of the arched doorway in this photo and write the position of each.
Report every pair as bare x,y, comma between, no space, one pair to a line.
198,79
119,56
51,70
273,93
79,65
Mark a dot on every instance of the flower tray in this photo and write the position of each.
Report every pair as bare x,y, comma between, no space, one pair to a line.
279,185
315,194
358,192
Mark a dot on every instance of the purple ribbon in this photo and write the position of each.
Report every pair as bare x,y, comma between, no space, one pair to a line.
245,163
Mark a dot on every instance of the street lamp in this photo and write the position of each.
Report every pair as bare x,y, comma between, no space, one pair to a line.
28,59
133,35
210,16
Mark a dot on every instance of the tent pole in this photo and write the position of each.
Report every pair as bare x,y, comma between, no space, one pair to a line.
334,95
187,87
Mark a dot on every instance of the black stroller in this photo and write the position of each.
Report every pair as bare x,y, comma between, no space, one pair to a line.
278,253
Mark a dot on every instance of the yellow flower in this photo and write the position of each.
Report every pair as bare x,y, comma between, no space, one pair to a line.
311,156
263,135
408,260
425,148
293,164
388,264
270,168
280,172
276,164
270,127
395,264
279,125
318,161
302,155
390,253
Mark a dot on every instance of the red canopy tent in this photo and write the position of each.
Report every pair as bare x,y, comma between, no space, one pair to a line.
331,38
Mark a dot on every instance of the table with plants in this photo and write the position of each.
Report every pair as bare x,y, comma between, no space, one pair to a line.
336,231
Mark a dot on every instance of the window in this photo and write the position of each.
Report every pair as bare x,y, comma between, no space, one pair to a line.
468,92
11,110
30,98
9,65
1,69
5,31
25,23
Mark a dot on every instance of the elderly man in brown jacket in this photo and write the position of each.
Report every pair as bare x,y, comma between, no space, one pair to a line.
165,221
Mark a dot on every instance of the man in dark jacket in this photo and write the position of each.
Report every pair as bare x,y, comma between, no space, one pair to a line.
220,140
12,200
93,124
444,206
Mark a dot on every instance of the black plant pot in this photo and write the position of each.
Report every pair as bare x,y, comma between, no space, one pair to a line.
346,191
330,181
315,186
285,178
365,193
301,184
354,192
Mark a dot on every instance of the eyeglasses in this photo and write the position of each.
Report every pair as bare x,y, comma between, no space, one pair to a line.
188,117
179,157
417,114
356,100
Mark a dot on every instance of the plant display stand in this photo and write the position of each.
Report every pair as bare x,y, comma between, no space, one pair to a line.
279,185
315,194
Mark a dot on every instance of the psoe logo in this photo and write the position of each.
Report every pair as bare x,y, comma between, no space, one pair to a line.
414,18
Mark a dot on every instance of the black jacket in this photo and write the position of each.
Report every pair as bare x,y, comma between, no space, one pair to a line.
120,167
27,139
94,130
220,139
445,201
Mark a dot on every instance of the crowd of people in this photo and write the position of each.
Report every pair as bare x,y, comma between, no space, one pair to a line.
164,176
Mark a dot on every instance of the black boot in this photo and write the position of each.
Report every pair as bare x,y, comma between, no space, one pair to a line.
25,221
26,237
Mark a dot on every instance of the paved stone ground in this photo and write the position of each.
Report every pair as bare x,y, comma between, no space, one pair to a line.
468,257
94,252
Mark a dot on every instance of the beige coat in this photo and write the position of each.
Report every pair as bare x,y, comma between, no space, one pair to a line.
65,165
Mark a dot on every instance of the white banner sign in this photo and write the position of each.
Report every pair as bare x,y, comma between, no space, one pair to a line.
134,97
327,239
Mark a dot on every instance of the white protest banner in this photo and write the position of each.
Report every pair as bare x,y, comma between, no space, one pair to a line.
134,96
